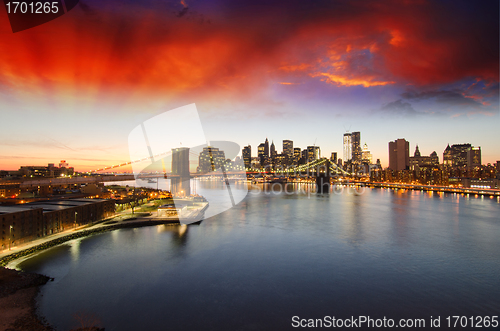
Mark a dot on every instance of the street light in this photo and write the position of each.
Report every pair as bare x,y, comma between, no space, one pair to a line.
10,235
76,213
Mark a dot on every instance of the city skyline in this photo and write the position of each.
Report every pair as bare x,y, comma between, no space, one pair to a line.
415,70
255,153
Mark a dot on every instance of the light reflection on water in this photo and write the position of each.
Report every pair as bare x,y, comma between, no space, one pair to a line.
274,256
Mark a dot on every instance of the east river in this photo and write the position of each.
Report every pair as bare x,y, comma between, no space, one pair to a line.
381,253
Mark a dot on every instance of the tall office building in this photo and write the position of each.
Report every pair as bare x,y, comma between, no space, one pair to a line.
266,148
366,155
247,156
399,154
313,153
261,153
273,151
474,158
356,147
288,148
211,159
333,158
447,159
296,155
459,154
347,147
304,156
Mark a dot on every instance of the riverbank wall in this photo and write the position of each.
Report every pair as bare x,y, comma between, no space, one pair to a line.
103,227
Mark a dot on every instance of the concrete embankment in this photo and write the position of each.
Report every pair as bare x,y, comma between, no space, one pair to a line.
103,227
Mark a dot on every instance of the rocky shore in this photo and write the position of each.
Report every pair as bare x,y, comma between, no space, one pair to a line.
18,291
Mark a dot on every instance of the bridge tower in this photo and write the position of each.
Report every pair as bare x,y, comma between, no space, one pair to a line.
180,178
323,178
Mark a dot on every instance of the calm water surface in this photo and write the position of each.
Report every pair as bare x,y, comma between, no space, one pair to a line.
274,256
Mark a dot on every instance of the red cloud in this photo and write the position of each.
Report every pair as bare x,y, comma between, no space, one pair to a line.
345,44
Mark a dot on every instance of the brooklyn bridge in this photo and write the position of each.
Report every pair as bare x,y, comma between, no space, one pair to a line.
181,173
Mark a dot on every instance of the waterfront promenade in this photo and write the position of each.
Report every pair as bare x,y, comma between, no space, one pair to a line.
121,220
446,189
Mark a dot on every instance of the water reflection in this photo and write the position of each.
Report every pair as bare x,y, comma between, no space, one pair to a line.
275,255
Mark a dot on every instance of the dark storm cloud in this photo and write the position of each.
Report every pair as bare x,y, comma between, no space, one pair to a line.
399,107
450,98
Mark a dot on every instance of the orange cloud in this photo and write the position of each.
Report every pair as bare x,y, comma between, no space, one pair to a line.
299,67
346,81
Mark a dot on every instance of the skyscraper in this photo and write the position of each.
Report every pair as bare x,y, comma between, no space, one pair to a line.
266,148
211,159
273,151
474,158
288,148
459,155
313,153
356,147
333,158
366,155
347,147
296,155
304,156
447,159
247,156
261,153
399,154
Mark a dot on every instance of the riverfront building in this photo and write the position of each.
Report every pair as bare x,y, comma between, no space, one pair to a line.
247,156
26,222
210,159
50,171
399,155
462,156
417,161
263,153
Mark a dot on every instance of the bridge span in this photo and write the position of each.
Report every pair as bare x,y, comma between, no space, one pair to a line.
61,181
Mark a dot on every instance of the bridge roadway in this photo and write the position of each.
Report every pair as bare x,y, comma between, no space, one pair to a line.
27,183
62,181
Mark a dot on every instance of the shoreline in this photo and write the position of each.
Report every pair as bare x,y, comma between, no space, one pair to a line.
18,293
103,227
19,289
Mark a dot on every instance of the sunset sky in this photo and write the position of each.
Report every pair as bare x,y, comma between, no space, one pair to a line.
307,71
